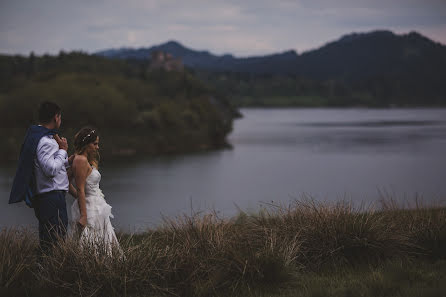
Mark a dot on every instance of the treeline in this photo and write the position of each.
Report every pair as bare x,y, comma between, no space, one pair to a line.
275,90
136,111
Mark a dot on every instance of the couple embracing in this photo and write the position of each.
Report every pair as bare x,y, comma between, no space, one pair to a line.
45,174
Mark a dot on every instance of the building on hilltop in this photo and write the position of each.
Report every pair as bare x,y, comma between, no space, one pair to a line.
165,61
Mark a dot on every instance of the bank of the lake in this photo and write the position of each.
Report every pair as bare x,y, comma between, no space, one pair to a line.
277,155
307,249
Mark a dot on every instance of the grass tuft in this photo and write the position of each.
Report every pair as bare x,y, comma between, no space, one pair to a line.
205,255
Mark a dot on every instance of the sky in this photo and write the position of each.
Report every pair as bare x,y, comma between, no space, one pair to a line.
242,28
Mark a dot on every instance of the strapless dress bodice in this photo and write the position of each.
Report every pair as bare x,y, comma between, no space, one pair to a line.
92,184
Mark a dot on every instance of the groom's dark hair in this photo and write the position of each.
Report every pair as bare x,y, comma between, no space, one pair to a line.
47,111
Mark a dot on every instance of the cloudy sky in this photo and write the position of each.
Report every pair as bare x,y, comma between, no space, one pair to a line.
243,28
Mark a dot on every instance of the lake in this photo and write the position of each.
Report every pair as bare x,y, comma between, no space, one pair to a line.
278,155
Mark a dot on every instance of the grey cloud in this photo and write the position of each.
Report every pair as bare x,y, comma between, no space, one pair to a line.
239,27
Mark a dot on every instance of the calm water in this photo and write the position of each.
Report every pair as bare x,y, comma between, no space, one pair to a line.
278,155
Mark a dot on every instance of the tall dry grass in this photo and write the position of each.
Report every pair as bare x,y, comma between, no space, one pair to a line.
204,255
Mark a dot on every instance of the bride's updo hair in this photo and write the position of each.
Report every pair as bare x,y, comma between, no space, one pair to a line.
84,137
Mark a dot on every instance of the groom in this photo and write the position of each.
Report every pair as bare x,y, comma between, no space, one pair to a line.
41,179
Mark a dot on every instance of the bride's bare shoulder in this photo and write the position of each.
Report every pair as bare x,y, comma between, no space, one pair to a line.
80,161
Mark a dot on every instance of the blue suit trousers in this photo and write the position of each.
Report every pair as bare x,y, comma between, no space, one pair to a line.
51,210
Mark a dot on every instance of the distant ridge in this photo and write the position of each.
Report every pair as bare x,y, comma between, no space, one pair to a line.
361,55
199,59
351,57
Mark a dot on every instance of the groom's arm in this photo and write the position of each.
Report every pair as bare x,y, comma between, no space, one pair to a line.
50,157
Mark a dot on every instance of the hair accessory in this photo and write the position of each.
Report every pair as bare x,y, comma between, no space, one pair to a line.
88,135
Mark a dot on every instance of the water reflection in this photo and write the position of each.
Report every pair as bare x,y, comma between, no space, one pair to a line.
383,124
277,156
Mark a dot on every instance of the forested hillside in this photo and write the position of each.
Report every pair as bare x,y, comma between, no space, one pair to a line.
376,68
137,111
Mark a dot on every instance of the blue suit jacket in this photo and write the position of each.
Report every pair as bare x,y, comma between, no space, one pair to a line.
23,186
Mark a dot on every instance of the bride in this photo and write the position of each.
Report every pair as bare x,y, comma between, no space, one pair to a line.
90,213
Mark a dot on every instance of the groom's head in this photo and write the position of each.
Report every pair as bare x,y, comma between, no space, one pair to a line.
50,115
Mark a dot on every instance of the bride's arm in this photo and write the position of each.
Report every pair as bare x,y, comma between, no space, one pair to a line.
80,170
72,190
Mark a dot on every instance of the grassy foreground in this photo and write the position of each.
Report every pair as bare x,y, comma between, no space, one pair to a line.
307,249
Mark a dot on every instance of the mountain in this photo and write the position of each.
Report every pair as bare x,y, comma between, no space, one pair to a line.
358,56
378,68
191,58
353,56
204,59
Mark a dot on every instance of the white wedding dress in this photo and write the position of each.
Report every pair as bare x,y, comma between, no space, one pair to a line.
99,233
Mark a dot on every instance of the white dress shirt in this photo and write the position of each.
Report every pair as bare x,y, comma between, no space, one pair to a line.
50,166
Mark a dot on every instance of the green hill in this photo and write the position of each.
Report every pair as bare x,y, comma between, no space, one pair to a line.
135,110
